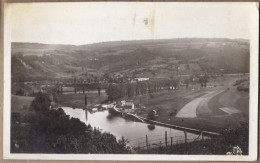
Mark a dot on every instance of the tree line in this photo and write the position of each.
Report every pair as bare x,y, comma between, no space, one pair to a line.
118,90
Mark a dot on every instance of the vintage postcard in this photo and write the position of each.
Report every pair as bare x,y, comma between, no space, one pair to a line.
131,81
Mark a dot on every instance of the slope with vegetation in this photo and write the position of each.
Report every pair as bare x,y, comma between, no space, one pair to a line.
149,58
52,131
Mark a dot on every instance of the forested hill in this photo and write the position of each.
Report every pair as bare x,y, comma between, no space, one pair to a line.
145,58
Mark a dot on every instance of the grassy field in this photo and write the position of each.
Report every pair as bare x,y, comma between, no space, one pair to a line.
169,101
165,103
214,105
238,99
78,100
21,104
223,95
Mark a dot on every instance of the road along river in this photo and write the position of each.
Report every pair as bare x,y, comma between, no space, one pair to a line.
135,132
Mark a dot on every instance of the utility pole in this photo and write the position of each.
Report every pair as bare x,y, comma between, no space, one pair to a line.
146,142
185,133
166,138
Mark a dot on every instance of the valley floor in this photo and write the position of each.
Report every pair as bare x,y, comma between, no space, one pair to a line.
214,108
211,109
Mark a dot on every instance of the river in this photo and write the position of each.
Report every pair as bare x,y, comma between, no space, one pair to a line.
135,132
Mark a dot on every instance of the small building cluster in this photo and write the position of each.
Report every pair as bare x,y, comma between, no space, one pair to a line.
126,106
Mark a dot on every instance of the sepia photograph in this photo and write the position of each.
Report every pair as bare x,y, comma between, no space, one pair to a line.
131,80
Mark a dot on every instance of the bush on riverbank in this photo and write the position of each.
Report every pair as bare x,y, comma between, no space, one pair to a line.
52,131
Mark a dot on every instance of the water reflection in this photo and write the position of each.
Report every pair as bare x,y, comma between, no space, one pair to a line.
133,131
110,117
151,127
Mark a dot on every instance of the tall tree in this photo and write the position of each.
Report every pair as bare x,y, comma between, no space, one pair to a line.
61,90
99,90
86,100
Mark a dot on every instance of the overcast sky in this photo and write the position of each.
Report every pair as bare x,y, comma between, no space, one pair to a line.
84,23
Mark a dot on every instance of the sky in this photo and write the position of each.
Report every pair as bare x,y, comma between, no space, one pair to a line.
91,22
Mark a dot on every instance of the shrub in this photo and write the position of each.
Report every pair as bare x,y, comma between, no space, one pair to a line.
41,102
20,92
238,136
52,131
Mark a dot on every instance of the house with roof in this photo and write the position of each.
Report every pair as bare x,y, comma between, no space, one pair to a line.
127,106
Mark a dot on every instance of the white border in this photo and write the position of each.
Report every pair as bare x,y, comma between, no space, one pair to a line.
253,113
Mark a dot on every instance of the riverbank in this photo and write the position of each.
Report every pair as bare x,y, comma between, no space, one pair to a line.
53,132
136,133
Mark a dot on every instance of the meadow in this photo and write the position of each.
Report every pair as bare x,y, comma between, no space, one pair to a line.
78,100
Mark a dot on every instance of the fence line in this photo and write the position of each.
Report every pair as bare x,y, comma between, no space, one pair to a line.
167,140
153,136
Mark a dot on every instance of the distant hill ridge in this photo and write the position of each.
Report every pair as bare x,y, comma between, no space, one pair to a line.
121,43
147,58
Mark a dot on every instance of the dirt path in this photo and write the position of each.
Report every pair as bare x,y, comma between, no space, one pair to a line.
190,109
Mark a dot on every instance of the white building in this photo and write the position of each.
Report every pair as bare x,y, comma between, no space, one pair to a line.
128,106
141,79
